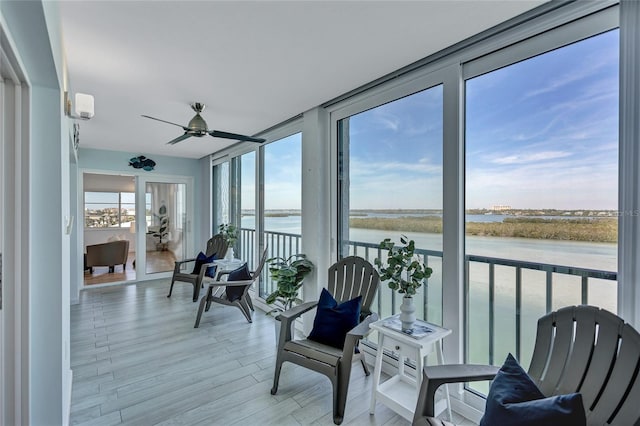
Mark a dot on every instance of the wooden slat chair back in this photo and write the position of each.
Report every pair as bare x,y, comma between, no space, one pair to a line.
577,349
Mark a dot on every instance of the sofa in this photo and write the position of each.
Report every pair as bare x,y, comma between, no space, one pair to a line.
107,254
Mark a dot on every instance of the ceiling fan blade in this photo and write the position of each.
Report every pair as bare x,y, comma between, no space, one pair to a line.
168,122
178,139
227,135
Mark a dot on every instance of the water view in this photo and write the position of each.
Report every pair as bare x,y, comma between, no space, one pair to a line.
566,289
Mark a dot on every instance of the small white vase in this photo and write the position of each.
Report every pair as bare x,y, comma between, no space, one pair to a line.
407,313
229,255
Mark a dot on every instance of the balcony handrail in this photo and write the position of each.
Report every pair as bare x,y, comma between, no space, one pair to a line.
546,267
371,250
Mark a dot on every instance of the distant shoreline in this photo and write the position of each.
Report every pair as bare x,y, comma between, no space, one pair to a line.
569,213
602,230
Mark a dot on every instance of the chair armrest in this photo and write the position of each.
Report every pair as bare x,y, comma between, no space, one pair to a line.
435,376
221,274
296,311
362,329
180,262
288,317
357,333
457,373
232,283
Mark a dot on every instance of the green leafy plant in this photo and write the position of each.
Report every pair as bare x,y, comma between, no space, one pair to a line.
230,233
288,274
403,271
163,229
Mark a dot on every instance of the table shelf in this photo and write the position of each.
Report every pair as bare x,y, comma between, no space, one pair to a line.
400,392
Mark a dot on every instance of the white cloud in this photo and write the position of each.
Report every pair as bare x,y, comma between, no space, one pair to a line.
530,158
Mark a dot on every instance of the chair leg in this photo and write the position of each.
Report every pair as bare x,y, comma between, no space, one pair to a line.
196,291
203,301
364,365
245,310
171,288
208,302
340,390
250,303
276,375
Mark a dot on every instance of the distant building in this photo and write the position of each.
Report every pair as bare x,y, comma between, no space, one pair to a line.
500,208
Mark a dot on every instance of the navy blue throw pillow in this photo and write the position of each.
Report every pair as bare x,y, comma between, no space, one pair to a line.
201,259
240,274
333,321
515,400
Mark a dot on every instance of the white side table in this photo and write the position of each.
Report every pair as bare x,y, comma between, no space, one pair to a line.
400,392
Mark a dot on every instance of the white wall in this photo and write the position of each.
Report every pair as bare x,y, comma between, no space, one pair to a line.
46,315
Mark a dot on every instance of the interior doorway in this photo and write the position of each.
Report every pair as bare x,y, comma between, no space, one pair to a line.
143,221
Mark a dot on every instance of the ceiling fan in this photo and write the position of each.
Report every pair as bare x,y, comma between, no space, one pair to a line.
198,127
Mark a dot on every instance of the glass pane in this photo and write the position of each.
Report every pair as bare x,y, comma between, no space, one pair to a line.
166,233
248,207
221,213
282,199
391,174
541,193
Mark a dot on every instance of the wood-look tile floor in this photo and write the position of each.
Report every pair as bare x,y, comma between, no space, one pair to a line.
157,261
137,360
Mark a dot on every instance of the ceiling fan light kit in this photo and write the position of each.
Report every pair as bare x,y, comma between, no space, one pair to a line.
197,127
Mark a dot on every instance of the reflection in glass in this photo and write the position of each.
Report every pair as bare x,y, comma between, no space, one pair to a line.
166,225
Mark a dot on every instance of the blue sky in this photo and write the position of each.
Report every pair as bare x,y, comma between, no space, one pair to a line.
542,133
539,134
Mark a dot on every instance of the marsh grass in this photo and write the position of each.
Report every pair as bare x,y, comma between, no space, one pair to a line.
602,230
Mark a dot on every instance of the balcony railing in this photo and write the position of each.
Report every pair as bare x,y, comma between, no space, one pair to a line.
481,278
279,244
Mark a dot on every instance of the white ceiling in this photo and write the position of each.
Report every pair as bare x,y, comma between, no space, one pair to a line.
253,63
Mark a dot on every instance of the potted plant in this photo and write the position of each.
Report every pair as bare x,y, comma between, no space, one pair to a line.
163,230
404,274
230,234
288,273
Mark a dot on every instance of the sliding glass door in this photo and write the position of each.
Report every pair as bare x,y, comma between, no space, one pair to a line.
166,222
390,163
163,224
541,192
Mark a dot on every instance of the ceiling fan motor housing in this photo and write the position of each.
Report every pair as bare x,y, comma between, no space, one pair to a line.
197,126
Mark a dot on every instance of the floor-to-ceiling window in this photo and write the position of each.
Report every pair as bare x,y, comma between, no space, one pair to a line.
282,226
247,207
513,199
221,205
541,192
391,185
